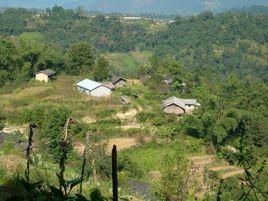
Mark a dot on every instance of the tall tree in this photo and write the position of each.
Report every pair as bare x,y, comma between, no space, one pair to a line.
101,69
79,58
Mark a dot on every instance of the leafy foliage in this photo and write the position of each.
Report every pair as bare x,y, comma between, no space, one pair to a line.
53,130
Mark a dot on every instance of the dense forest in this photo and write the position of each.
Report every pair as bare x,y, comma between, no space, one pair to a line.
219,59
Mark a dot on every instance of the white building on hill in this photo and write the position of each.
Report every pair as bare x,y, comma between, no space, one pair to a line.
93,88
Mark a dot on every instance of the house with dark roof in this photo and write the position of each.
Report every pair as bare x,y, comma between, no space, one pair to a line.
109,85
45,75
119,81
179,106
93,88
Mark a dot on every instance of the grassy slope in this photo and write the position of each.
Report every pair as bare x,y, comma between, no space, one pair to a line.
128,63
62,91
149,156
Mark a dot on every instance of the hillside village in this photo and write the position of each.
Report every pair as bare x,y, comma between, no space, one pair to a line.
126,107
127,132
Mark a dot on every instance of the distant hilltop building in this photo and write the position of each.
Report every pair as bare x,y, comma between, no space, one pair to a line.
45,75
132,18
179,106
93,88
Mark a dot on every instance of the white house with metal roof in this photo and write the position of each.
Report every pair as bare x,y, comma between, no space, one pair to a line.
93,88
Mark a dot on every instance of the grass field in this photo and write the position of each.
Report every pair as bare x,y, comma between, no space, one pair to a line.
128,63
148,157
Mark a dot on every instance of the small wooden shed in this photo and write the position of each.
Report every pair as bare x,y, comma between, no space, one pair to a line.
119,81
179,106
45,75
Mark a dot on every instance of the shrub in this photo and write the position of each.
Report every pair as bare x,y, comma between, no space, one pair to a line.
129,166
144,116
53,129
105,113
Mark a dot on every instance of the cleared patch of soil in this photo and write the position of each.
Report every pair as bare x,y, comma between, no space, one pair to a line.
121,143
232,173
224,167
131,125
202,160
9,129
127,115
89,120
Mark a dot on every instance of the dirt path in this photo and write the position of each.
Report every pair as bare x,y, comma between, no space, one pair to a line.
202,160
223,167
127,115
232,173
121,144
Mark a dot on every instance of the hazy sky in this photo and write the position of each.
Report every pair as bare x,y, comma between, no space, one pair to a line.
138,6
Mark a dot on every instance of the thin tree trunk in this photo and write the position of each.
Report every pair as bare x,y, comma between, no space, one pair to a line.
28,152
114,174
84,161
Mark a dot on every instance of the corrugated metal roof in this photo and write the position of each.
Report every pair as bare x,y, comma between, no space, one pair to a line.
110,85
88,84
47,72
179,102
116,79
189,101
174,100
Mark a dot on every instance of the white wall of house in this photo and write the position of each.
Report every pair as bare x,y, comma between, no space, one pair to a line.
101,91
83,90
42,77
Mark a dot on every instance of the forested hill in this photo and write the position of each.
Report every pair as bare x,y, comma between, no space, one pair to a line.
230,42
226,42
215,64
182,7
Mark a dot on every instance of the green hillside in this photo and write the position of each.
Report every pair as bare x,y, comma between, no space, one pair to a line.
128,64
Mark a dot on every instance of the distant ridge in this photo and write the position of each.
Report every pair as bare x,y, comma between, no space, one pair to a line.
182,7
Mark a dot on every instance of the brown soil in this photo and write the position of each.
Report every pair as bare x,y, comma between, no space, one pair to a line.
89,120
127,115
232,173
131,125
121,143
9,129
202,160
223,167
